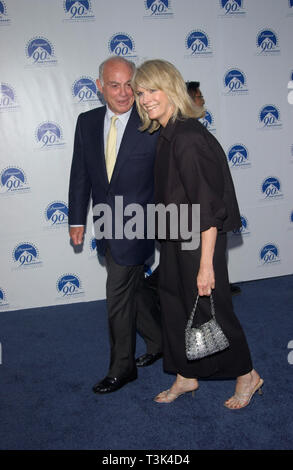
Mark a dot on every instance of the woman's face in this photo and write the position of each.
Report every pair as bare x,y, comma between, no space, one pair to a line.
156,104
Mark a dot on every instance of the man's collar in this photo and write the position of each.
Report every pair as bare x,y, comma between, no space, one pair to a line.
122,117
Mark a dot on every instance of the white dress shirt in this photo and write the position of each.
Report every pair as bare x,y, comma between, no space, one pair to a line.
120,125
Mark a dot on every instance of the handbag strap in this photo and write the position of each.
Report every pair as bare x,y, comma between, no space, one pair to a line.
190,321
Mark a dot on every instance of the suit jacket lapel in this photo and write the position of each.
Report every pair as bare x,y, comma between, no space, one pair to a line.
130,136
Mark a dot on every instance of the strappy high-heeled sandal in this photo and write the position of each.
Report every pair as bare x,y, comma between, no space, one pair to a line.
168,396
244,398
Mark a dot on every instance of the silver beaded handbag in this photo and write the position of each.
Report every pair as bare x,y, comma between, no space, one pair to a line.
205,339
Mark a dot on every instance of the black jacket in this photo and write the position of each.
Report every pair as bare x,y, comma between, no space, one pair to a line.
191,167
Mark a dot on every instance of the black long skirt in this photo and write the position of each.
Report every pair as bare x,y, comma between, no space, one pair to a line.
178,291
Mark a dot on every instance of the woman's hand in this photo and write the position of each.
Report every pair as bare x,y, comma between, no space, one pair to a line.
205,280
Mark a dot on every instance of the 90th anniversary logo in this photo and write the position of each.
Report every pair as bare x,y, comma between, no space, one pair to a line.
3,299
8,100
158,9
269,254
40,52
26,255
198,44
235,82
271,188
267,42
69,286
84,91
232,8
244,229
122,44
4,18
78,10
49,136
13,180
269,117
208,121
238,156
56,214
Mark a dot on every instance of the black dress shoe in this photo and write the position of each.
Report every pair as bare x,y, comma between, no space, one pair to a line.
111,384
147,359
235,290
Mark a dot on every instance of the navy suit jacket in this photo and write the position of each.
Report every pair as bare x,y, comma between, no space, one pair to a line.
132,178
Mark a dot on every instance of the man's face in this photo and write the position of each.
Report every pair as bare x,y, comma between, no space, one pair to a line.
198,98
116,87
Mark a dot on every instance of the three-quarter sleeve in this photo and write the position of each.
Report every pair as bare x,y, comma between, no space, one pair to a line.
201,174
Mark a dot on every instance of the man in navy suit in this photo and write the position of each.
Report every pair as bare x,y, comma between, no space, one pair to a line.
132,179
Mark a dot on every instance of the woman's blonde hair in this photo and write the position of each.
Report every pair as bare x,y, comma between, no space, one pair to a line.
160,74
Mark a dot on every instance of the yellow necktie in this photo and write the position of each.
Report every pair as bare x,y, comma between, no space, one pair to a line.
111,147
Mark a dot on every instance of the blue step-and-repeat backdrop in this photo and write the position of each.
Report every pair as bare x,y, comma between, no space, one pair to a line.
241,51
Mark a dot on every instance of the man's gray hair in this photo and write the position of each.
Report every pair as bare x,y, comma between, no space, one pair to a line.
116,59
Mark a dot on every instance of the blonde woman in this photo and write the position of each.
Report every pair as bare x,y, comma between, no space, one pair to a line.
191,168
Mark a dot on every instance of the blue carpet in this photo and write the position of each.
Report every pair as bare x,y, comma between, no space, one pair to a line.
52,356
